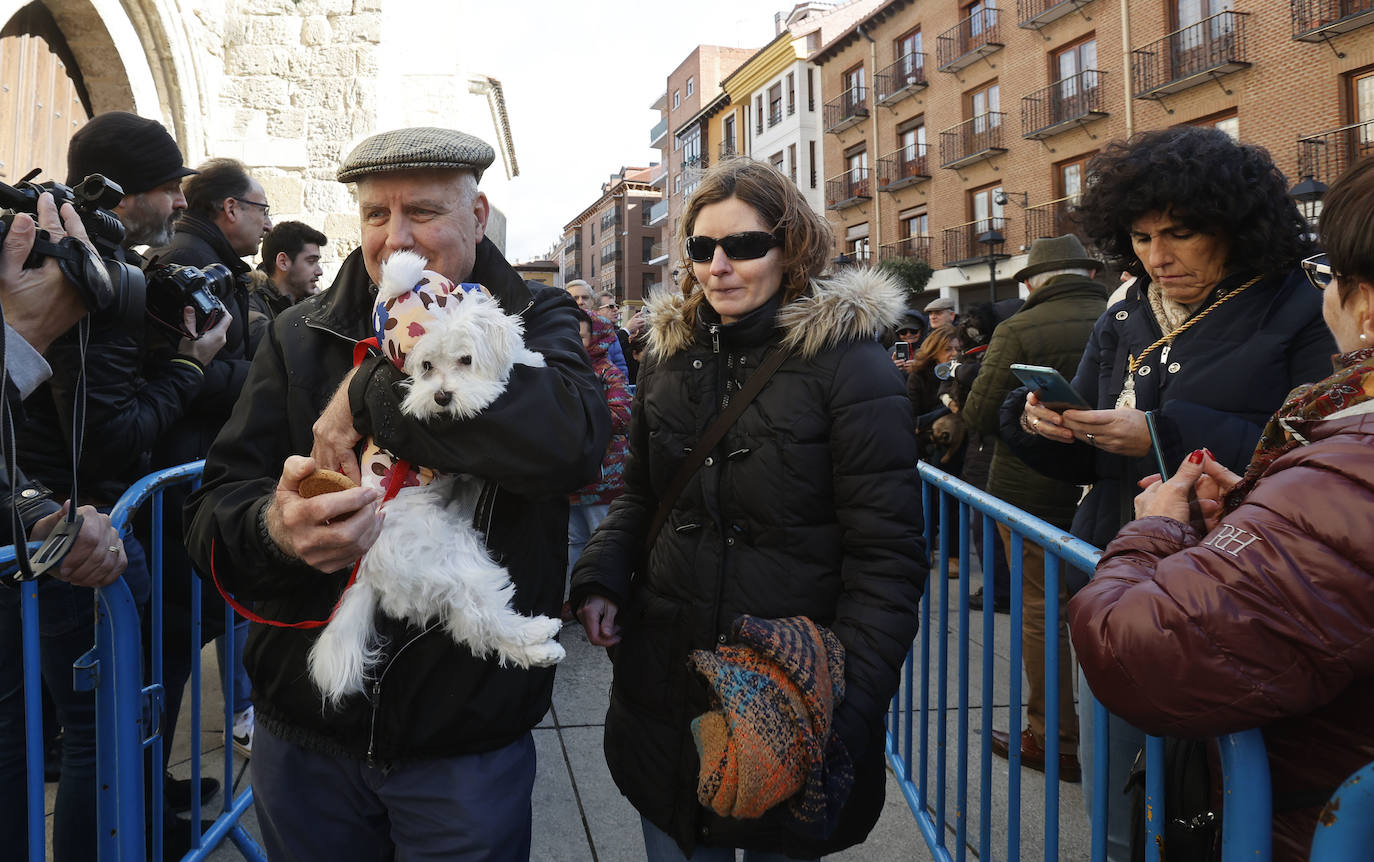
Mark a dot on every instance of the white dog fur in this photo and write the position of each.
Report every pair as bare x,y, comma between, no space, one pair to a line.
430,561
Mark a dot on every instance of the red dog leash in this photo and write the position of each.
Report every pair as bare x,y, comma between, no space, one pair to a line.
394,482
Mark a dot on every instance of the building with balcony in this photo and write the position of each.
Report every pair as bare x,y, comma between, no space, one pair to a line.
1016,101
613,243
773,109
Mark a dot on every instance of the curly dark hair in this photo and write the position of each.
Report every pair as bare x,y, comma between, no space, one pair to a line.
1207,181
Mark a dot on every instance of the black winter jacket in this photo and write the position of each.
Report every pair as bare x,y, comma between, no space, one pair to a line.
540,440
810,506
1218,385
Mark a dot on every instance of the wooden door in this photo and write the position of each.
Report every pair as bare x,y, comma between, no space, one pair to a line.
42,98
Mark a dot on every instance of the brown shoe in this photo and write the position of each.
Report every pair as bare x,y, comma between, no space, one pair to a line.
1033,755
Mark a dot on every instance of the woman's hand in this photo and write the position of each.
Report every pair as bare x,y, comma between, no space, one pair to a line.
1122,431
1036,418
903,365
1194,495
598,620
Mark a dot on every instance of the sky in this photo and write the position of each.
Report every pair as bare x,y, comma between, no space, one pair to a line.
578,80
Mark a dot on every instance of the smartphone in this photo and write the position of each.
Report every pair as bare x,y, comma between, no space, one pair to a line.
1050,387
901,350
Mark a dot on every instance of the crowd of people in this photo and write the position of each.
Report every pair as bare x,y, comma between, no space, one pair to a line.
732,508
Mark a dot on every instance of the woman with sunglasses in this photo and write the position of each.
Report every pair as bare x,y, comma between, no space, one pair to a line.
1219,325
1260,598
809,507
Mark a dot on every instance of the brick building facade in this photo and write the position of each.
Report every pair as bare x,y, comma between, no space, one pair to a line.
610,243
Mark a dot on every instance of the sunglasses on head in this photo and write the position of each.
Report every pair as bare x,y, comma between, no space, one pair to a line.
1318,270
738,246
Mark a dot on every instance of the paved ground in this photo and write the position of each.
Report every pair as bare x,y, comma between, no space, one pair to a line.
579,815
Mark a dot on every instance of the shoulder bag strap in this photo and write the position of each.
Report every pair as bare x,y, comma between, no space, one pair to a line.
714,434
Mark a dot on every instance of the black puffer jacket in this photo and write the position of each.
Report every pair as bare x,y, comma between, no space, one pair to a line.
810,506
540,440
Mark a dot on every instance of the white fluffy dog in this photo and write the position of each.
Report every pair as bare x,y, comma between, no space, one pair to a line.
430,562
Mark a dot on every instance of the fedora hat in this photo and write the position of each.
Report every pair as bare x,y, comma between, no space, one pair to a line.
1060,252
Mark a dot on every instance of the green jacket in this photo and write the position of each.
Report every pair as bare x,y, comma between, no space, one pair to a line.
1050,329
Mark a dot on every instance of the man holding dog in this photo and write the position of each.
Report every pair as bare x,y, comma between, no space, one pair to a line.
436,760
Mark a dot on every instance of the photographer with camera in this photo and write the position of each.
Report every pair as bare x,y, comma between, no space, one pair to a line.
226,218
139,378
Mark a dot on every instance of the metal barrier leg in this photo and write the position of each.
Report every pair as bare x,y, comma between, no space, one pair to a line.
1249,800
33,718
117,662
1052,716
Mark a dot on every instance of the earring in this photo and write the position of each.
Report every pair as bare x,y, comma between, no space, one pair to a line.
1364,336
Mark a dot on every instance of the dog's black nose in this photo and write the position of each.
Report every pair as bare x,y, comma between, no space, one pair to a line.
442,398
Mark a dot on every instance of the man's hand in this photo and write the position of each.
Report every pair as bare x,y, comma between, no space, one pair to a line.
209,343
97,555
1121,431
335,436
327,532
598,620
40,304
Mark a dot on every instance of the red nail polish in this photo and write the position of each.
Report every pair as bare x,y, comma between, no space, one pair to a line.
1195,457
1209,453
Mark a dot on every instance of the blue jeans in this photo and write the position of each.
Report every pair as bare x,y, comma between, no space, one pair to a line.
583,519
66,631
316,806
658,847
1123,743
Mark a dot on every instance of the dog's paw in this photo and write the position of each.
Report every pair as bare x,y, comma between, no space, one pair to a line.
543,654
539,629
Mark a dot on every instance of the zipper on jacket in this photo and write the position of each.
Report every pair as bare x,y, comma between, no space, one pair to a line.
312,324
377,694
714,329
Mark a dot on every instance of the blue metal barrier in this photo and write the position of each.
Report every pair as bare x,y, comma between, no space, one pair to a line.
1246,830
128,713
1345,829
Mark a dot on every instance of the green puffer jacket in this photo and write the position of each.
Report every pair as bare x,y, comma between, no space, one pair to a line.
1050,329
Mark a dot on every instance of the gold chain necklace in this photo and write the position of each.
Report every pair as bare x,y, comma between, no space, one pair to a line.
1127,396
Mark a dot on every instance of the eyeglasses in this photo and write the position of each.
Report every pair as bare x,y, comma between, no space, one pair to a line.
749,245
1318,270
266,208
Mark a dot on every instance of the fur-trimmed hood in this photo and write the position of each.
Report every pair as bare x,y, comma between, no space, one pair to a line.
850,305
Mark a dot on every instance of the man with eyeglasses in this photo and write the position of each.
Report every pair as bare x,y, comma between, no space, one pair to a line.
608,309
227,215
581,292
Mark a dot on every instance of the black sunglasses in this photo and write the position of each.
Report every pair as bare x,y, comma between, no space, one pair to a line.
1318,270
749,245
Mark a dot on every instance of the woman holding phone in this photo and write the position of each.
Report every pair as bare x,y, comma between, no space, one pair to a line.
807,508
1219,325
1274,630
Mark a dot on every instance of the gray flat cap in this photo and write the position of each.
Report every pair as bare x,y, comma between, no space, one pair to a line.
423,148
940,303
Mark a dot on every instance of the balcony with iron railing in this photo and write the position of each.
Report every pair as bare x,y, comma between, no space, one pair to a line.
1034,14
1202,52
1069,101
847,109
696,163
774,115
916,247
976,138
1325,155
658,132
728,148
961,246
847,189
903,167
1052,218
901,79
1319,20
968,41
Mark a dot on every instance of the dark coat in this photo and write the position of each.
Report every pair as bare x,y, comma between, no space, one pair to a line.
810,506
1263,622
540,440
265,302
1222,380
1050,329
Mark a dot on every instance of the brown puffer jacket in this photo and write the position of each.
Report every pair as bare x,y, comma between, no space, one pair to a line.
1267,621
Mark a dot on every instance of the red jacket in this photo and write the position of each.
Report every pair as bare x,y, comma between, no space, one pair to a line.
1268,621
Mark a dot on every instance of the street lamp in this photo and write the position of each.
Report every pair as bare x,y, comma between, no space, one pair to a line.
1308,191
991,239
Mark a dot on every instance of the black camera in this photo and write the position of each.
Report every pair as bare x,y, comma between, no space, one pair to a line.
94,198
172,287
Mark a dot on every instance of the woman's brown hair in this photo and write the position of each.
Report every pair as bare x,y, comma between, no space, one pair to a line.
939,338
1347,226
806,237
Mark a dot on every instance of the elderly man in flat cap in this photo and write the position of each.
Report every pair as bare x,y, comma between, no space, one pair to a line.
436,759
